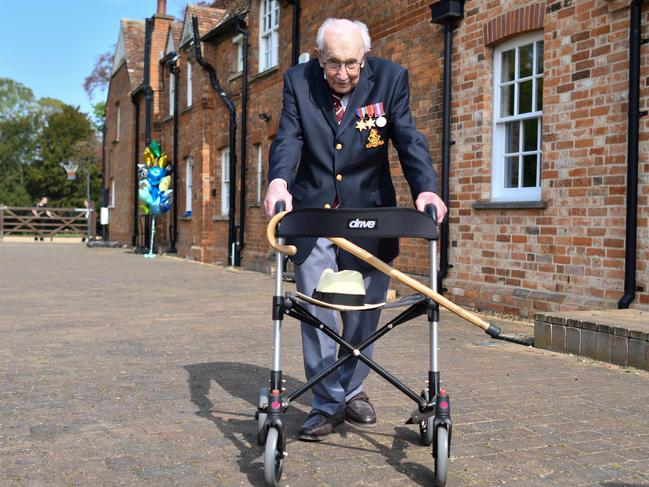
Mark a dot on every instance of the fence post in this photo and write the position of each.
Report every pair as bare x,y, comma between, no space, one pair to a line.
2,221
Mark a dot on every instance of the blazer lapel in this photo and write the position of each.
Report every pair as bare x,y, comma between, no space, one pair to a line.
321,95
359,95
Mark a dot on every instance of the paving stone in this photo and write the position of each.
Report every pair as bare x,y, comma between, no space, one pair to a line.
573,340
638,351
603,346
106,381
558,338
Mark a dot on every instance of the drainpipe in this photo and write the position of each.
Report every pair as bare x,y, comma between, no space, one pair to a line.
174,70
632,156
241,28
148,97
295,34
446,13
233,135
136,182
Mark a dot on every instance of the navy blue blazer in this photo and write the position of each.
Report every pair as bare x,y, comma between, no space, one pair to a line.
321,159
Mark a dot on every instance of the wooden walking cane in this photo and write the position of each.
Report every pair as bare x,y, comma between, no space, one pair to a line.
354,249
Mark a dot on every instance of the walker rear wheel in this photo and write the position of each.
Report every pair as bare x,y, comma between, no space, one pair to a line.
426,425
262,431
273,458
441,456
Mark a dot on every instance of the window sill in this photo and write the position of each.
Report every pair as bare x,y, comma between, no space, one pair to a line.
234,76
186,218
220,218
265,73
185,109
168,118
510,205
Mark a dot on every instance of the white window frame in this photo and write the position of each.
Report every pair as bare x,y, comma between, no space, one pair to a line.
499,189
189,85
189,183
268,34
112,193
238,42
172,92
260,173
118,122
225,181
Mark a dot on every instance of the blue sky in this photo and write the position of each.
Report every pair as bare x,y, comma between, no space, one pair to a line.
50,46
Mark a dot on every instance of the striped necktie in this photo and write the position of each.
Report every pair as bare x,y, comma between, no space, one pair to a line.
338,107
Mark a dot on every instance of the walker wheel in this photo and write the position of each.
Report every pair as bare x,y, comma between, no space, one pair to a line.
441,456
273,458
426,426
262,430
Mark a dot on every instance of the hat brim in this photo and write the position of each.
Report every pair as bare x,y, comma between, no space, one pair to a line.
338,307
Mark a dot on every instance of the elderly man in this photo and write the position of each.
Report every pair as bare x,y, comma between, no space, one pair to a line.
331,151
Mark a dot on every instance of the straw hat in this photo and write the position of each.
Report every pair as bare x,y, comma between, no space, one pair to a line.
342,291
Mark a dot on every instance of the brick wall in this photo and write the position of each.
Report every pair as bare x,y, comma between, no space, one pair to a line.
119,155
567,255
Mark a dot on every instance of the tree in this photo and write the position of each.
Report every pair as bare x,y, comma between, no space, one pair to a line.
59,142
16,100
99,78
18,140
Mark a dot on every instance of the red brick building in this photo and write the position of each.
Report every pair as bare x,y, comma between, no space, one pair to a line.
539,127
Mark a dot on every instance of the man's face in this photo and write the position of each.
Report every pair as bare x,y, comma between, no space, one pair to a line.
343,49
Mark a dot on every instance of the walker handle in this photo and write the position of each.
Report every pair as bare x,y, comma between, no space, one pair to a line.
272,225
431,210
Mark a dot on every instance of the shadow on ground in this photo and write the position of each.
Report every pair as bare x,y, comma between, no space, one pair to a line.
238,428
241,381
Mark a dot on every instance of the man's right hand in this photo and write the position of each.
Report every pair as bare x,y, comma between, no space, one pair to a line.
277,191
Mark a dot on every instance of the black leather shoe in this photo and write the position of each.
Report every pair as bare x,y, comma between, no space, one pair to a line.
360,411
319,425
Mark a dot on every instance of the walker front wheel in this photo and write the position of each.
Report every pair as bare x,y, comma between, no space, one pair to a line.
441,456
273,458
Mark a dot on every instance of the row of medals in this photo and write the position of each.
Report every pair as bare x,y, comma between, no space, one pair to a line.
374,138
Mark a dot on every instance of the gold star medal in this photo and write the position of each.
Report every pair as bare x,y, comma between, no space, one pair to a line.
362,122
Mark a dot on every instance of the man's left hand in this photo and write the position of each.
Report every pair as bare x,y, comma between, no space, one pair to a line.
428,198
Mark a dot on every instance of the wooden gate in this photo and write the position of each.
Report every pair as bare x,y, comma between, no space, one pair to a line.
46,222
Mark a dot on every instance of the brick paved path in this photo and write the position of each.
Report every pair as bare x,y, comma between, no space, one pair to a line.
119,370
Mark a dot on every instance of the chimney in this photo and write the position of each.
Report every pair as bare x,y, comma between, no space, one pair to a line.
162,8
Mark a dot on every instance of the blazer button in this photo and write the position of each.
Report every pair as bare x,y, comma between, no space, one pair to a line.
327,205
339,177
339,146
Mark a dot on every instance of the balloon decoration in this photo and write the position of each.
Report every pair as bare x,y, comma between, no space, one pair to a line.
155,178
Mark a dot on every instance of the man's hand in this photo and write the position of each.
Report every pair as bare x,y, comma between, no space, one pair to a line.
427,198
277,191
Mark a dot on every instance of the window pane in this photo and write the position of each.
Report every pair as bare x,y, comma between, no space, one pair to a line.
511,172
529,171
539,94
508,66
530,134
506,100
525,60
525,97
512,137
539,57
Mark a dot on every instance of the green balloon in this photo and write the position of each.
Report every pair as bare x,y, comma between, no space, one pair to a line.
155,148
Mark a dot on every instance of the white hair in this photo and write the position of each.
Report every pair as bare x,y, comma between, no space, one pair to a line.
362,30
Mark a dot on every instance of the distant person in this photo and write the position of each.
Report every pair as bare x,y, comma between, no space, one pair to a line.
40,215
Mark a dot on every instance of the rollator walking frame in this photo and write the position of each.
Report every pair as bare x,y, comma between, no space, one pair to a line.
432,413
